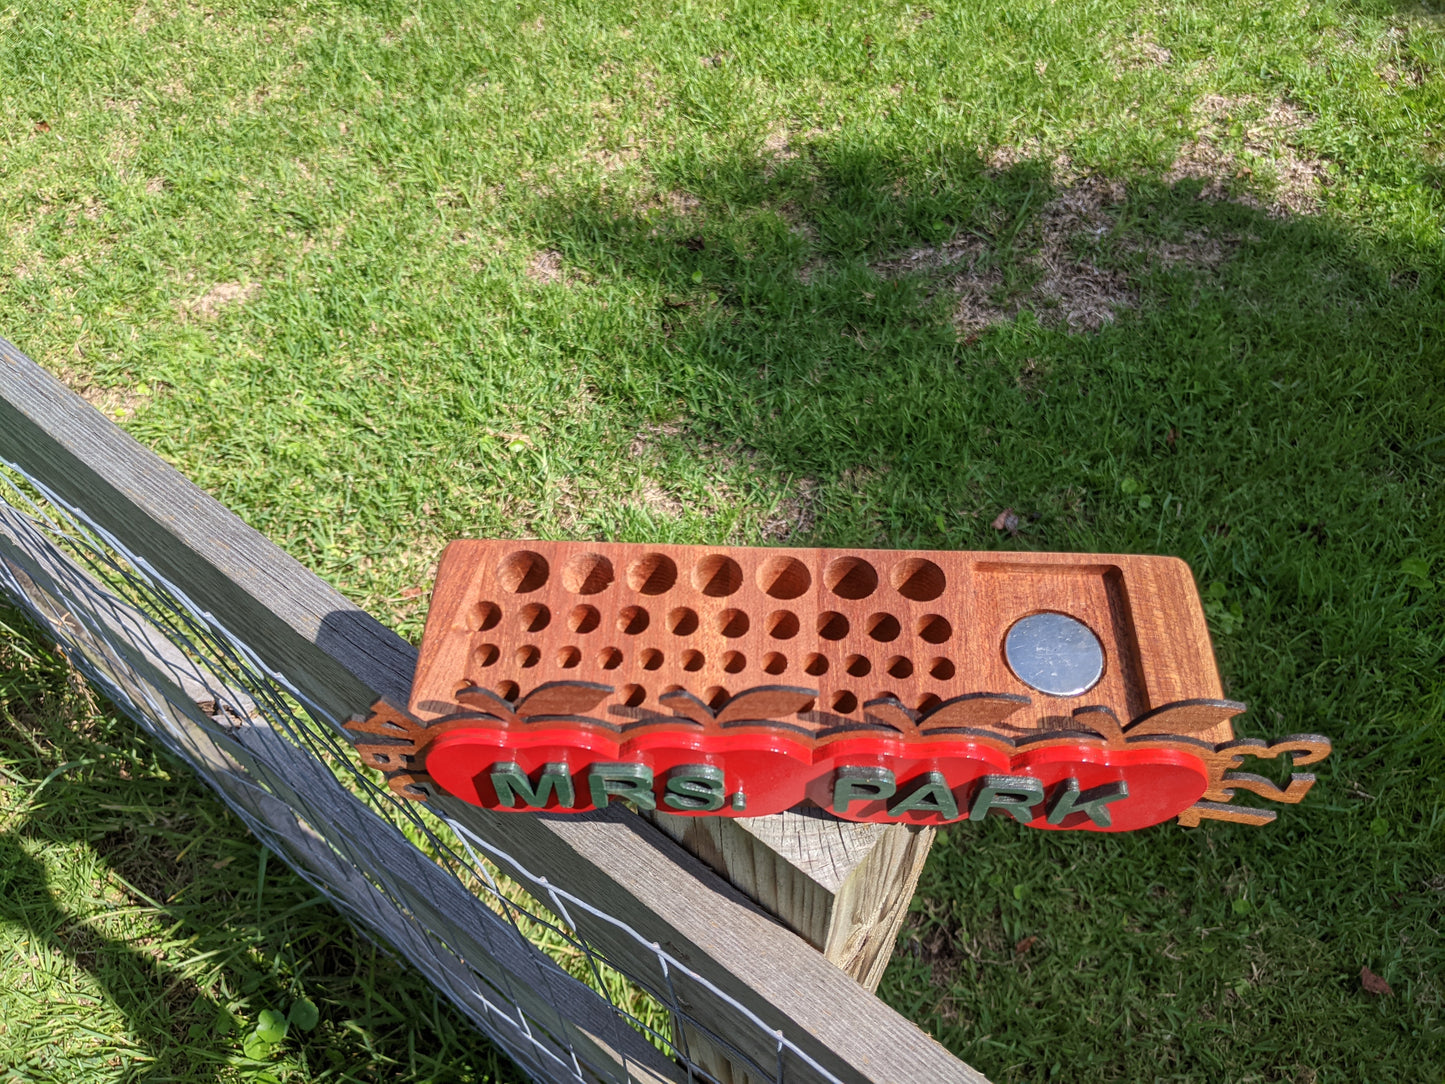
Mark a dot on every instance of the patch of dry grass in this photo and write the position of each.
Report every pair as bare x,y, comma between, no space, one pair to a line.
220,296
1073,248
1289,181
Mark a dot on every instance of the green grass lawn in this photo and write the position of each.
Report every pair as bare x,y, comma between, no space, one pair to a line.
1152,278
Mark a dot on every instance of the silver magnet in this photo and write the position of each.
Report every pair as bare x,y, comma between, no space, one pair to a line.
1054,654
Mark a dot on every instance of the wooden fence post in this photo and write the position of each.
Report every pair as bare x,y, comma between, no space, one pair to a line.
843,887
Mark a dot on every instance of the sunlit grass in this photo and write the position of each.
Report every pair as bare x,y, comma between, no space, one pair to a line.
1158,279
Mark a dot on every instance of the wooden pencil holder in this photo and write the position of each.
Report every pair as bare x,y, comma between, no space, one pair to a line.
1068,691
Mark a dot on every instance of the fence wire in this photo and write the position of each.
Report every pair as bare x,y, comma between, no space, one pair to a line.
424,885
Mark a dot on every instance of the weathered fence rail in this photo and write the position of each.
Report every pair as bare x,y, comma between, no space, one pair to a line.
242,661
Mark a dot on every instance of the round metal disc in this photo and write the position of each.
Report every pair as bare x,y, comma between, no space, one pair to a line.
1054,654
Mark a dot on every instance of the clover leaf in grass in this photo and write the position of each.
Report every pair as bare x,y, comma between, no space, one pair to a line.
255,1047
271,1026
1225,616
304,1014
1132,487
1416,571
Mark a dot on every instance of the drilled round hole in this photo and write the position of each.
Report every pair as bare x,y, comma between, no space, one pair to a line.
815,665
587,574
732,623
883,627
886,694
584,619
487,615
528,655
632,695
899,666
784,577
715,697
609,658
733,662
844,702
650,658
507,690
682,621
522,571
918,579
692,661
568,658
928,701
486,654
782,624
857,665
632,620
652,574
717,575
534,617
934,629
832,626
774,663
851,577
941,669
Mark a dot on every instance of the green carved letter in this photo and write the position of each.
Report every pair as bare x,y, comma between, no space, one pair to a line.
861,785
695,787
1094,801
1016,795
931,794
511,783
631,782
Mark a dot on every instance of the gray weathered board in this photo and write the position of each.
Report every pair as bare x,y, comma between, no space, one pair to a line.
285,792
342,659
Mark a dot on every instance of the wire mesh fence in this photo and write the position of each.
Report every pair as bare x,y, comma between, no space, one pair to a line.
426,885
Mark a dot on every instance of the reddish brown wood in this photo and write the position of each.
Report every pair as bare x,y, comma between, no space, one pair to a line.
856,626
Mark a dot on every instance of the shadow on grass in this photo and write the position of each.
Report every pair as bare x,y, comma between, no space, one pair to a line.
921,343
213,933
155,1000
933,351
